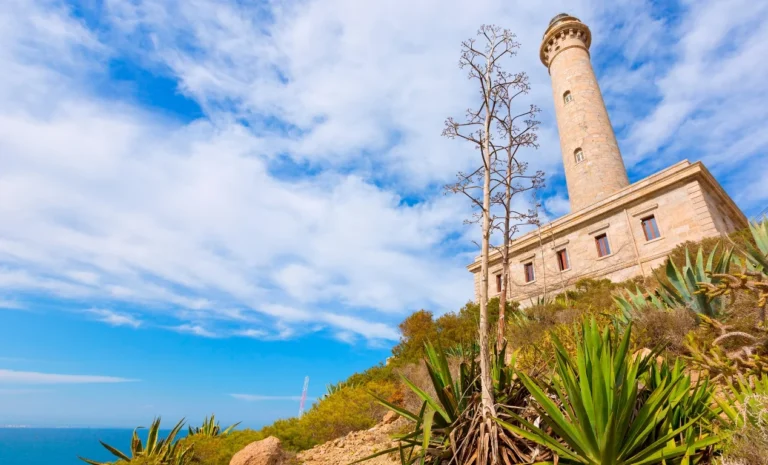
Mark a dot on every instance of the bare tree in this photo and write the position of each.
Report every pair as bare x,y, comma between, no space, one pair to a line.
499,168
517,130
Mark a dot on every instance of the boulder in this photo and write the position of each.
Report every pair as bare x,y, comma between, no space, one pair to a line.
390,417
265,452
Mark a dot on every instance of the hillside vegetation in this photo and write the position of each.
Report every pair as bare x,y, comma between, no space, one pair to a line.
702,313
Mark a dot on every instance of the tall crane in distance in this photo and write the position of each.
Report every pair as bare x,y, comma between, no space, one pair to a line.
303,396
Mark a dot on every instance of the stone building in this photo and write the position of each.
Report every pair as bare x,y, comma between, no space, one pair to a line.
615,230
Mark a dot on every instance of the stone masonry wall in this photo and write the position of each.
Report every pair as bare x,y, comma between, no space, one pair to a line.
583,123
679,217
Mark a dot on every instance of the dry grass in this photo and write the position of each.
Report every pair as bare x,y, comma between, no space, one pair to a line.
749,445
667,329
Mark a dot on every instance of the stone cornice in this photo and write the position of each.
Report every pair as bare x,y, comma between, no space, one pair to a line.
680,172
568,26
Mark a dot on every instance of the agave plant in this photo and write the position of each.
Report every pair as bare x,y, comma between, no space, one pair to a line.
210,428
463,351
447,428
758,256
634,301
606,407
682,287
161,451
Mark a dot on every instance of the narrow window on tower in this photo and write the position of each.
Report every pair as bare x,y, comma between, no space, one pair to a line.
567,97
529,276
498,283
562,260
603,248
650,228
578,155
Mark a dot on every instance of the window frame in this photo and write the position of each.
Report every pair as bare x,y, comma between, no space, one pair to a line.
563,260
651,221
578,155
567,97
598,244
499,283
526,267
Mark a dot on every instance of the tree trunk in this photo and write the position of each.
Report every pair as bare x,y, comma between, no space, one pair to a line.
500,338
486,384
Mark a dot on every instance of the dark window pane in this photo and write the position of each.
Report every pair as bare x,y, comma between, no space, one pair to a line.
603,248
650,229
529,276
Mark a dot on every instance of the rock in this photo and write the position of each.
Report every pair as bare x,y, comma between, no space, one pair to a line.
355,446
390,417
265,452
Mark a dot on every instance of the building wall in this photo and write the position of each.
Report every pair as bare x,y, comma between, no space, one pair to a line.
684,212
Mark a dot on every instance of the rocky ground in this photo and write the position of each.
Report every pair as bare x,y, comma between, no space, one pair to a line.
341,451
355,446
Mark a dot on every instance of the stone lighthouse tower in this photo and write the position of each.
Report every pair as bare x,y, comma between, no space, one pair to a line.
615,230
594,168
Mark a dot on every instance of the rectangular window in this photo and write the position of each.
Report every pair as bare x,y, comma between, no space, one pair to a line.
529,276
562,260
650,228
603,249
498,283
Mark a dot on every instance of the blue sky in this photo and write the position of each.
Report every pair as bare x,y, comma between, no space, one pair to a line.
204,198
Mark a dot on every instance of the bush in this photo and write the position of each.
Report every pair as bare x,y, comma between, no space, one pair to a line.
218,450
665,328
449,330
349,409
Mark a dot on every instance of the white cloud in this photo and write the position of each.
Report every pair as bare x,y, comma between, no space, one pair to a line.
556,206
347,337
31,377
114,318
196,330
707,107
259,398
252,333
210,223
11,304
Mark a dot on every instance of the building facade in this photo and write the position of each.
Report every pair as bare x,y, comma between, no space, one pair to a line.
615,230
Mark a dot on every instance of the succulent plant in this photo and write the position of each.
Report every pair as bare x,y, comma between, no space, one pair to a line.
210,428
162,451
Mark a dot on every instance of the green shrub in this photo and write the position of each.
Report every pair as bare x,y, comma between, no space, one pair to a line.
449,330
349,409
218,450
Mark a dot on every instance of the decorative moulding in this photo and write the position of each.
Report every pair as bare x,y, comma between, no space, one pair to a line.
528,257
561,244
597,229
645,209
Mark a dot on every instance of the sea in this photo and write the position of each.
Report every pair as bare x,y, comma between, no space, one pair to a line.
61,446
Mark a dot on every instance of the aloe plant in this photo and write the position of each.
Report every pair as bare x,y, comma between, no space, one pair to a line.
210,428
606,407
162,451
